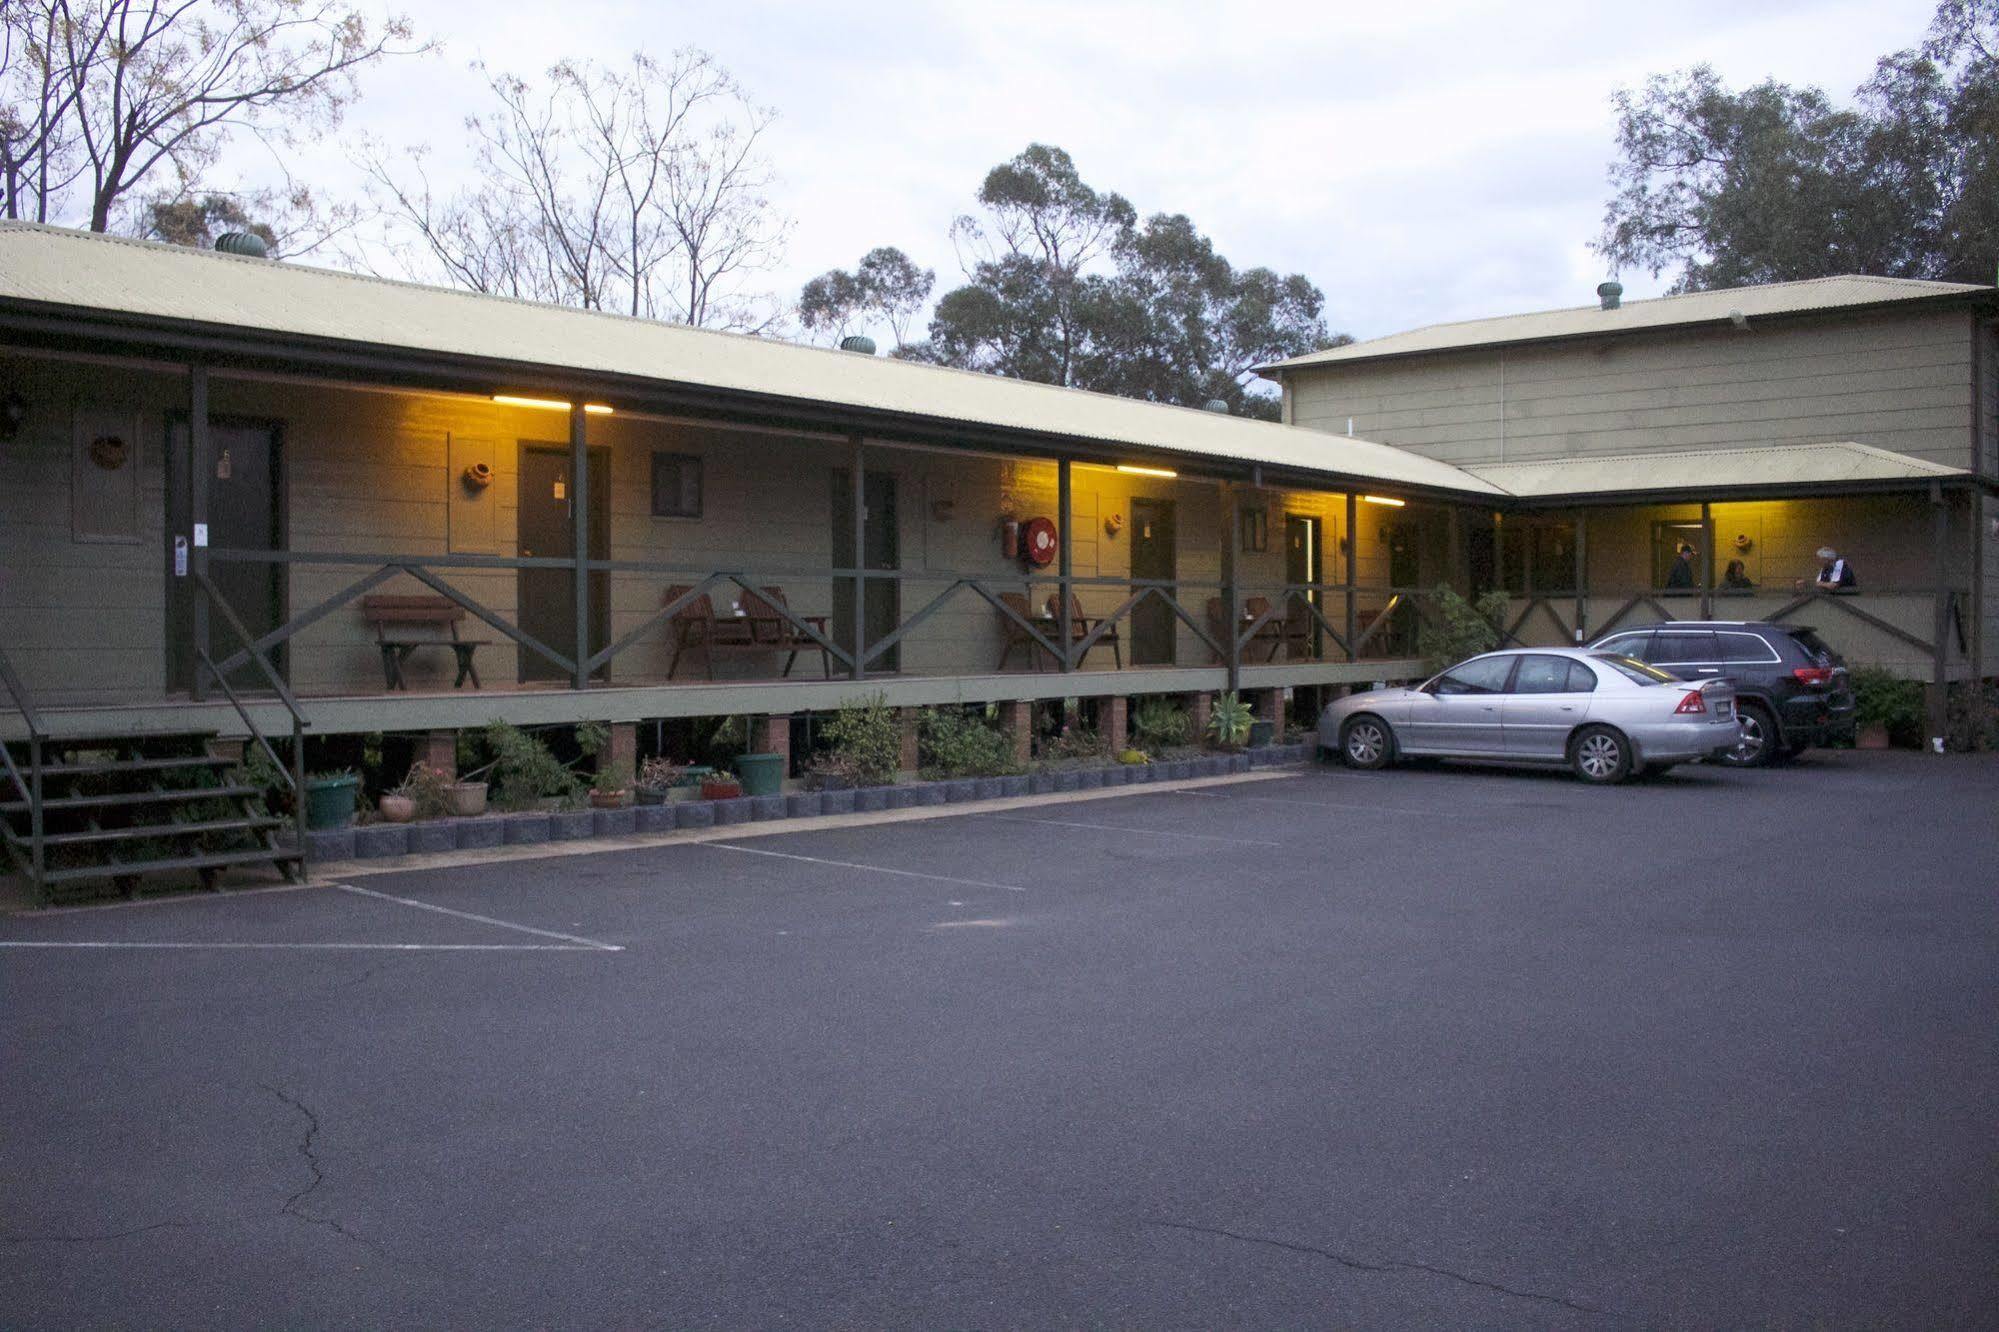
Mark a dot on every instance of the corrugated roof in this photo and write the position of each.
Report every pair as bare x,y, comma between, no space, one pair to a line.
1710,469
1699,307
94,272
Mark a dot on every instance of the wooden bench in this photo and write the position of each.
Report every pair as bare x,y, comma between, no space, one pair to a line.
439,615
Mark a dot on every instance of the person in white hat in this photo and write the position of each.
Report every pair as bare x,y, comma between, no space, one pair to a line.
1835,574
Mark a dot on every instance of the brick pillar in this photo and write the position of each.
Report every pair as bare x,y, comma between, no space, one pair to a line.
773,736
907,720
1198,707
1114,717
1270,708
621,755
439,749
1017,720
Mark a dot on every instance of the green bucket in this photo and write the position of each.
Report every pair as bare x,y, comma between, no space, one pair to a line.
329,801
762,774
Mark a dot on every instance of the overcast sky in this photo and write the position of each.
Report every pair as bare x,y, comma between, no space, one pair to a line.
1418,161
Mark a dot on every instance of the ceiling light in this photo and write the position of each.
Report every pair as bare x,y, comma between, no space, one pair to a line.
1383,499
1131,470
549,404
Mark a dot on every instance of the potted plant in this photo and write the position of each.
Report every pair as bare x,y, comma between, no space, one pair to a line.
422,794
329,799
465,799
609,789
657,778
1887,709
721,787
1230,720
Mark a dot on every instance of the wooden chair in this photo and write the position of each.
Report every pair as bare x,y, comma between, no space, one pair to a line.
1016,635
1299,631
1269,637
770,629
759,629
435,622
1080,626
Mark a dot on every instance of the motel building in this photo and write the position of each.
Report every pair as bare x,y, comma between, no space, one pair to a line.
246,501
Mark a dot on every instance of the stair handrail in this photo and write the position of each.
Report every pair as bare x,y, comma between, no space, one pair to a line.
31,787
295,775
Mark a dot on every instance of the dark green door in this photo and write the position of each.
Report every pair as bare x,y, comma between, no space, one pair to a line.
547,597
1304,562
1153,556
882,549
245,487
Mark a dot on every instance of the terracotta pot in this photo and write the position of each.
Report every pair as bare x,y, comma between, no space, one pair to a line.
609,799
1874,735
466,799
721,790
396,808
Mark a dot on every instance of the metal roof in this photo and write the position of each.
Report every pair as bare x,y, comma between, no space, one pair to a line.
88,272
1698,307
1711,470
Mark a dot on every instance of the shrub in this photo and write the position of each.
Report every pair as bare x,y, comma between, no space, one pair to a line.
865,737
1972,720
1881,697
426,785
1467,628
1134,757
954,743
1230,719
660,773
1160,723
1073,741
523,769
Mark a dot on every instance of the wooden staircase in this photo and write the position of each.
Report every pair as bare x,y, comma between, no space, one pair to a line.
115,810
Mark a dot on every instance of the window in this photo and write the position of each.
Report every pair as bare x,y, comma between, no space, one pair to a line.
1744,647
1480,675
1255,521
1582,679
1814,648
1540,557
1672,649
1627,645
1667,538
676,485
1633,669
1542,675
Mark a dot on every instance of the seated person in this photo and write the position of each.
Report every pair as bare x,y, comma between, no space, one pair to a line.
1735,578
1835,575
1680,578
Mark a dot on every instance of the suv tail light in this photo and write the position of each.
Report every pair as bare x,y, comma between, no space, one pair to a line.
1818,677
1692,703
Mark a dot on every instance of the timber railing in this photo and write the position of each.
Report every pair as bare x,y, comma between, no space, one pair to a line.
294,777
29,786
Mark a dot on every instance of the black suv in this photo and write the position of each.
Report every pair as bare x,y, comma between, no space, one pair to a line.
1790,688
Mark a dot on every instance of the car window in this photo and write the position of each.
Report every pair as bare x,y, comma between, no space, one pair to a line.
1480,675
1582,679
1814,648
1671,649
1744,647
1542,675
1626,645
1633,669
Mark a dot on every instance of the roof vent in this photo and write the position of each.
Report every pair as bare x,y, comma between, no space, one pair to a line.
1215,405
246,243
858,342
1610,294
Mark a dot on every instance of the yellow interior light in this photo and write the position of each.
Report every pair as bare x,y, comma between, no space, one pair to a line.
1131,470
549,404
1383,499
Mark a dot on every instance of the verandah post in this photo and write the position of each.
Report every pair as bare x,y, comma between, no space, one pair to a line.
860,506
1353,563
1229,575
200,466
1065,566
579,538
1582,578
1707,560
1939,692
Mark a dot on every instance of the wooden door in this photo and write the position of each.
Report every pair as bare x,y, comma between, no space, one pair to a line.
547,597
1153,556
1304,562
245,485
882,549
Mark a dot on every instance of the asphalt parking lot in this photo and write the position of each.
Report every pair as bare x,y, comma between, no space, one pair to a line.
1422,1048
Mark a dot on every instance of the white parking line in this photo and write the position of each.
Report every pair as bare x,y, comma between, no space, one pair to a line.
872,869
186,945
1326,804
483,920
1148,832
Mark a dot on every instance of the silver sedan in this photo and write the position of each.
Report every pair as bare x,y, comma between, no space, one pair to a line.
1603,715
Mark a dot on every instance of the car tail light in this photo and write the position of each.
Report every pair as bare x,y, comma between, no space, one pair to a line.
1816,676
1692,703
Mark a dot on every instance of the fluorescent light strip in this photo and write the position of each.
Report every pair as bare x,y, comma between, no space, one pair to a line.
1131,470
1383,499
549,404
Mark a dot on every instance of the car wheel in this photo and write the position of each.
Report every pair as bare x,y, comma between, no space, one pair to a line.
1600,755
1366,742
1760,741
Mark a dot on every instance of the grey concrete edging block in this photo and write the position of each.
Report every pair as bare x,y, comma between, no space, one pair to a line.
765,808
837,802
960,789
1090,779
373,841
480,833
695,814
870,799
571,825
1016,785
330,843
527,829
1069,780
654,818
731,812
804,804
432,836
613,822
1041,783
925,794
1238,762
987,788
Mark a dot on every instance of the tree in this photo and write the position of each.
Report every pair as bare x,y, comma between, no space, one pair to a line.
639,188
1066,288
886,286
1775,183
108,101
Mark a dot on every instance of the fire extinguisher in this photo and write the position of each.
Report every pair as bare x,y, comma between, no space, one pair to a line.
1010,538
